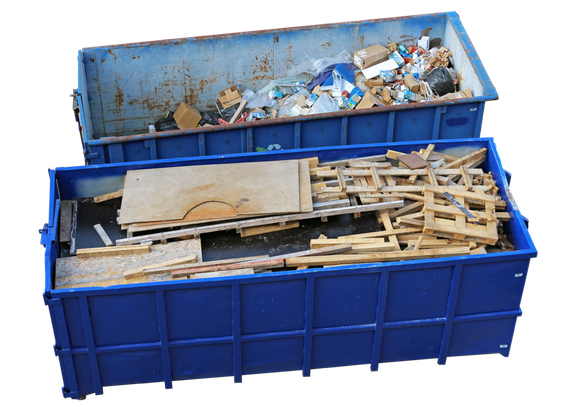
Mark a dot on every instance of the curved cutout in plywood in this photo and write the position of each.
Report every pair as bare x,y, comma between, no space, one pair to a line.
211,210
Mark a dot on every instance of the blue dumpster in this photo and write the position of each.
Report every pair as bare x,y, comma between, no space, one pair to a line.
282,321
124,88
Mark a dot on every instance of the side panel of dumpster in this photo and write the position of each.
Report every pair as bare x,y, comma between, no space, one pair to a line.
359,315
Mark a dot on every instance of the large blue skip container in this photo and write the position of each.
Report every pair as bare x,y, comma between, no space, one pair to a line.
282,321
124,88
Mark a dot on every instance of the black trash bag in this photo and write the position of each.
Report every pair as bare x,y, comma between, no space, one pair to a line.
440,81
210,117
228,113
166,123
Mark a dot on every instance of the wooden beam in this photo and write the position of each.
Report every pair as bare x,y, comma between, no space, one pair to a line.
226,273
113,251
260,230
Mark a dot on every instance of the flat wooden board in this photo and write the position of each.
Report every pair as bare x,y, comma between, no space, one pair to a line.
210,191
75,272
305,198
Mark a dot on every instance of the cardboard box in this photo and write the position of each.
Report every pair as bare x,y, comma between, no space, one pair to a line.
411,83
229,97
187,117
374,82
373,55
457,95
368,100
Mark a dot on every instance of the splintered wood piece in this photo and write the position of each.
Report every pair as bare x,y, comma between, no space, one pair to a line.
377,257
109,196
103,235
412,161
313,161
418,243
113,251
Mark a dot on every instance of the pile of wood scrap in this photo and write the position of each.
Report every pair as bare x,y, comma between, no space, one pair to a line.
428,204
452,208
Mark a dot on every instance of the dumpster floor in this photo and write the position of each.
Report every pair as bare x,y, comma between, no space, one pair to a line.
225,244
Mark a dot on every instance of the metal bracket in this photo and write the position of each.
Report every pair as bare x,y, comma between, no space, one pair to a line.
45,233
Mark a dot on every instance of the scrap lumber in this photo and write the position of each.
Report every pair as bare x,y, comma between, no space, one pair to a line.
376,257
103,235
109,196
170,268
149,269
258,222
225,273
113,251
258,264
260,230
335,249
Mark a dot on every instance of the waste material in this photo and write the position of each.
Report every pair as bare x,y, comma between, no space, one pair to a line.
376,76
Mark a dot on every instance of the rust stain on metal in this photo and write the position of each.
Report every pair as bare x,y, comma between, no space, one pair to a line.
111,52
361,41
459,78
326,44
119,97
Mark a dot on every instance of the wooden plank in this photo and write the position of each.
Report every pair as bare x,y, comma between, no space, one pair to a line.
313,161
210,191
461,233
103,235
412,208
109,196
258,264
258,222
305,199
368,164
373,247
474,155
376,257
386,233
397,172
388,226
260,230
113,251
151,269
431,175
466,178
318,243
168,269
338,248
226,273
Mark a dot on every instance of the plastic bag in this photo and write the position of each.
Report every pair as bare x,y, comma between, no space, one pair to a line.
325,104
440,81
166,123
210,117
320,64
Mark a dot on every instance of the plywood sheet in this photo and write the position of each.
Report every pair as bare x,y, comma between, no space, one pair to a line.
210,191
306,199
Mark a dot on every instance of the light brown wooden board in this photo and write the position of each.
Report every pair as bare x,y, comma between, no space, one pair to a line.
305,203
210,191
75,272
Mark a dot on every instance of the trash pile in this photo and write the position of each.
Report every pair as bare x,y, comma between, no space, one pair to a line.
376,76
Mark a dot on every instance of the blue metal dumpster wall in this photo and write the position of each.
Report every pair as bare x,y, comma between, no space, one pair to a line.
292,320
124,88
